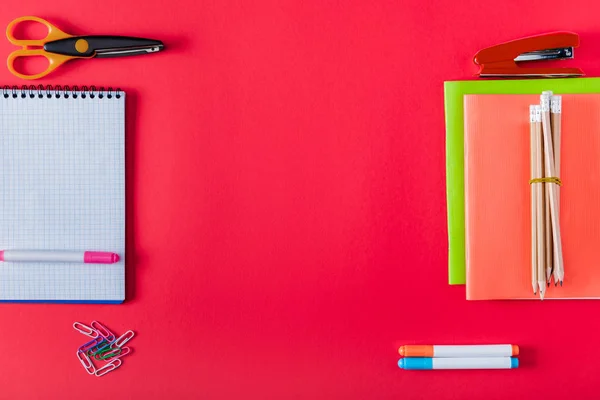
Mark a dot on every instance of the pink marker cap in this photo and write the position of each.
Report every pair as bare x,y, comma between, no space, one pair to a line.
100,257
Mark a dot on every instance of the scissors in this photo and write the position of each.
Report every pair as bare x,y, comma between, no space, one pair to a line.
59,47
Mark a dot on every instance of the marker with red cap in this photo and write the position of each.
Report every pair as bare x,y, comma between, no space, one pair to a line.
87,257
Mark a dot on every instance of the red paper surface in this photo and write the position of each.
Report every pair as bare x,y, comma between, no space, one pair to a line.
286,206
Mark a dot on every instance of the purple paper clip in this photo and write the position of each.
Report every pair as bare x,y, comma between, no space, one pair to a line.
86,362
111,366
103,331
86,330
92,343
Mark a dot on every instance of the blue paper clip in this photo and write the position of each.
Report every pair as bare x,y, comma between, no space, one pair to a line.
102,347
94,349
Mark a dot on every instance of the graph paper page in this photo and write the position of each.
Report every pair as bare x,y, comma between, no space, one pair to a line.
62,187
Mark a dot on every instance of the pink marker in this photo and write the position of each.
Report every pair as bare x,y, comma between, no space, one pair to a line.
88,257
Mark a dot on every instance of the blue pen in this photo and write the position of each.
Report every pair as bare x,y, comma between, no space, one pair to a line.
458,363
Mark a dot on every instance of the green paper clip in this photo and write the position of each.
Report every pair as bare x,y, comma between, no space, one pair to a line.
99,353
111,353
103,345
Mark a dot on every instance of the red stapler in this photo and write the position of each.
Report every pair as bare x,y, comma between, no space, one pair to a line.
502,60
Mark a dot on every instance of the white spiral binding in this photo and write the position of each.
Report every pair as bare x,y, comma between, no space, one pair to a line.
59,92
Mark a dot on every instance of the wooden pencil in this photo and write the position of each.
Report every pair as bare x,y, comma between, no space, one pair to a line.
555,120
533,186
539,204
547,223
550,172
547,234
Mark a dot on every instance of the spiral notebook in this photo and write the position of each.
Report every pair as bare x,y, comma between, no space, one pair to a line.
62,187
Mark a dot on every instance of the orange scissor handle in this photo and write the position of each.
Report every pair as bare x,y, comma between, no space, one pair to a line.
54,60
53,33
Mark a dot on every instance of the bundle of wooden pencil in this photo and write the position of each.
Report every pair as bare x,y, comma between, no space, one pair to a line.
546,248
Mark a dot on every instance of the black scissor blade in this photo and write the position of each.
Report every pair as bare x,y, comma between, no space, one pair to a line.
104,53
145,46
103,46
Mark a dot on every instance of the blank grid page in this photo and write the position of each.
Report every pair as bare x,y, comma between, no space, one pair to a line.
62,187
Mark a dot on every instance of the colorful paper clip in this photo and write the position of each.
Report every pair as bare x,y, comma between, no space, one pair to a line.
124,338
111,366
98,354
86,362
502,60
86,330
103,348
110,354
103,343
103,331
91,344
123,352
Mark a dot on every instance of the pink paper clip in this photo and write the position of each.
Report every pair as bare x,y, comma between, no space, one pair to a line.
124,338
114,354
86,330
103,331
86,362
108,367
92,343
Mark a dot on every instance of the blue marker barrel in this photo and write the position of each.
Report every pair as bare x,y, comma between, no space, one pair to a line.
426,363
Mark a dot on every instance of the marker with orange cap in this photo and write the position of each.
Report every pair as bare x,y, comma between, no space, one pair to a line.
470,351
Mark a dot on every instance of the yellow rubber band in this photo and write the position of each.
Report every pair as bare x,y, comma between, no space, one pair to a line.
550,179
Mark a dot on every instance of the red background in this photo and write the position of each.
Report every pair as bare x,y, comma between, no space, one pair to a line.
286,206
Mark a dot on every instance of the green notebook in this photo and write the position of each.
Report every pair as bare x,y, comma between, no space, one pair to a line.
455,185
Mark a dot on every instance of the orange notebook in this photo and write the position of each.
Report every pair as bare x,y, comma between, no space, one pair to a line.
497,197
